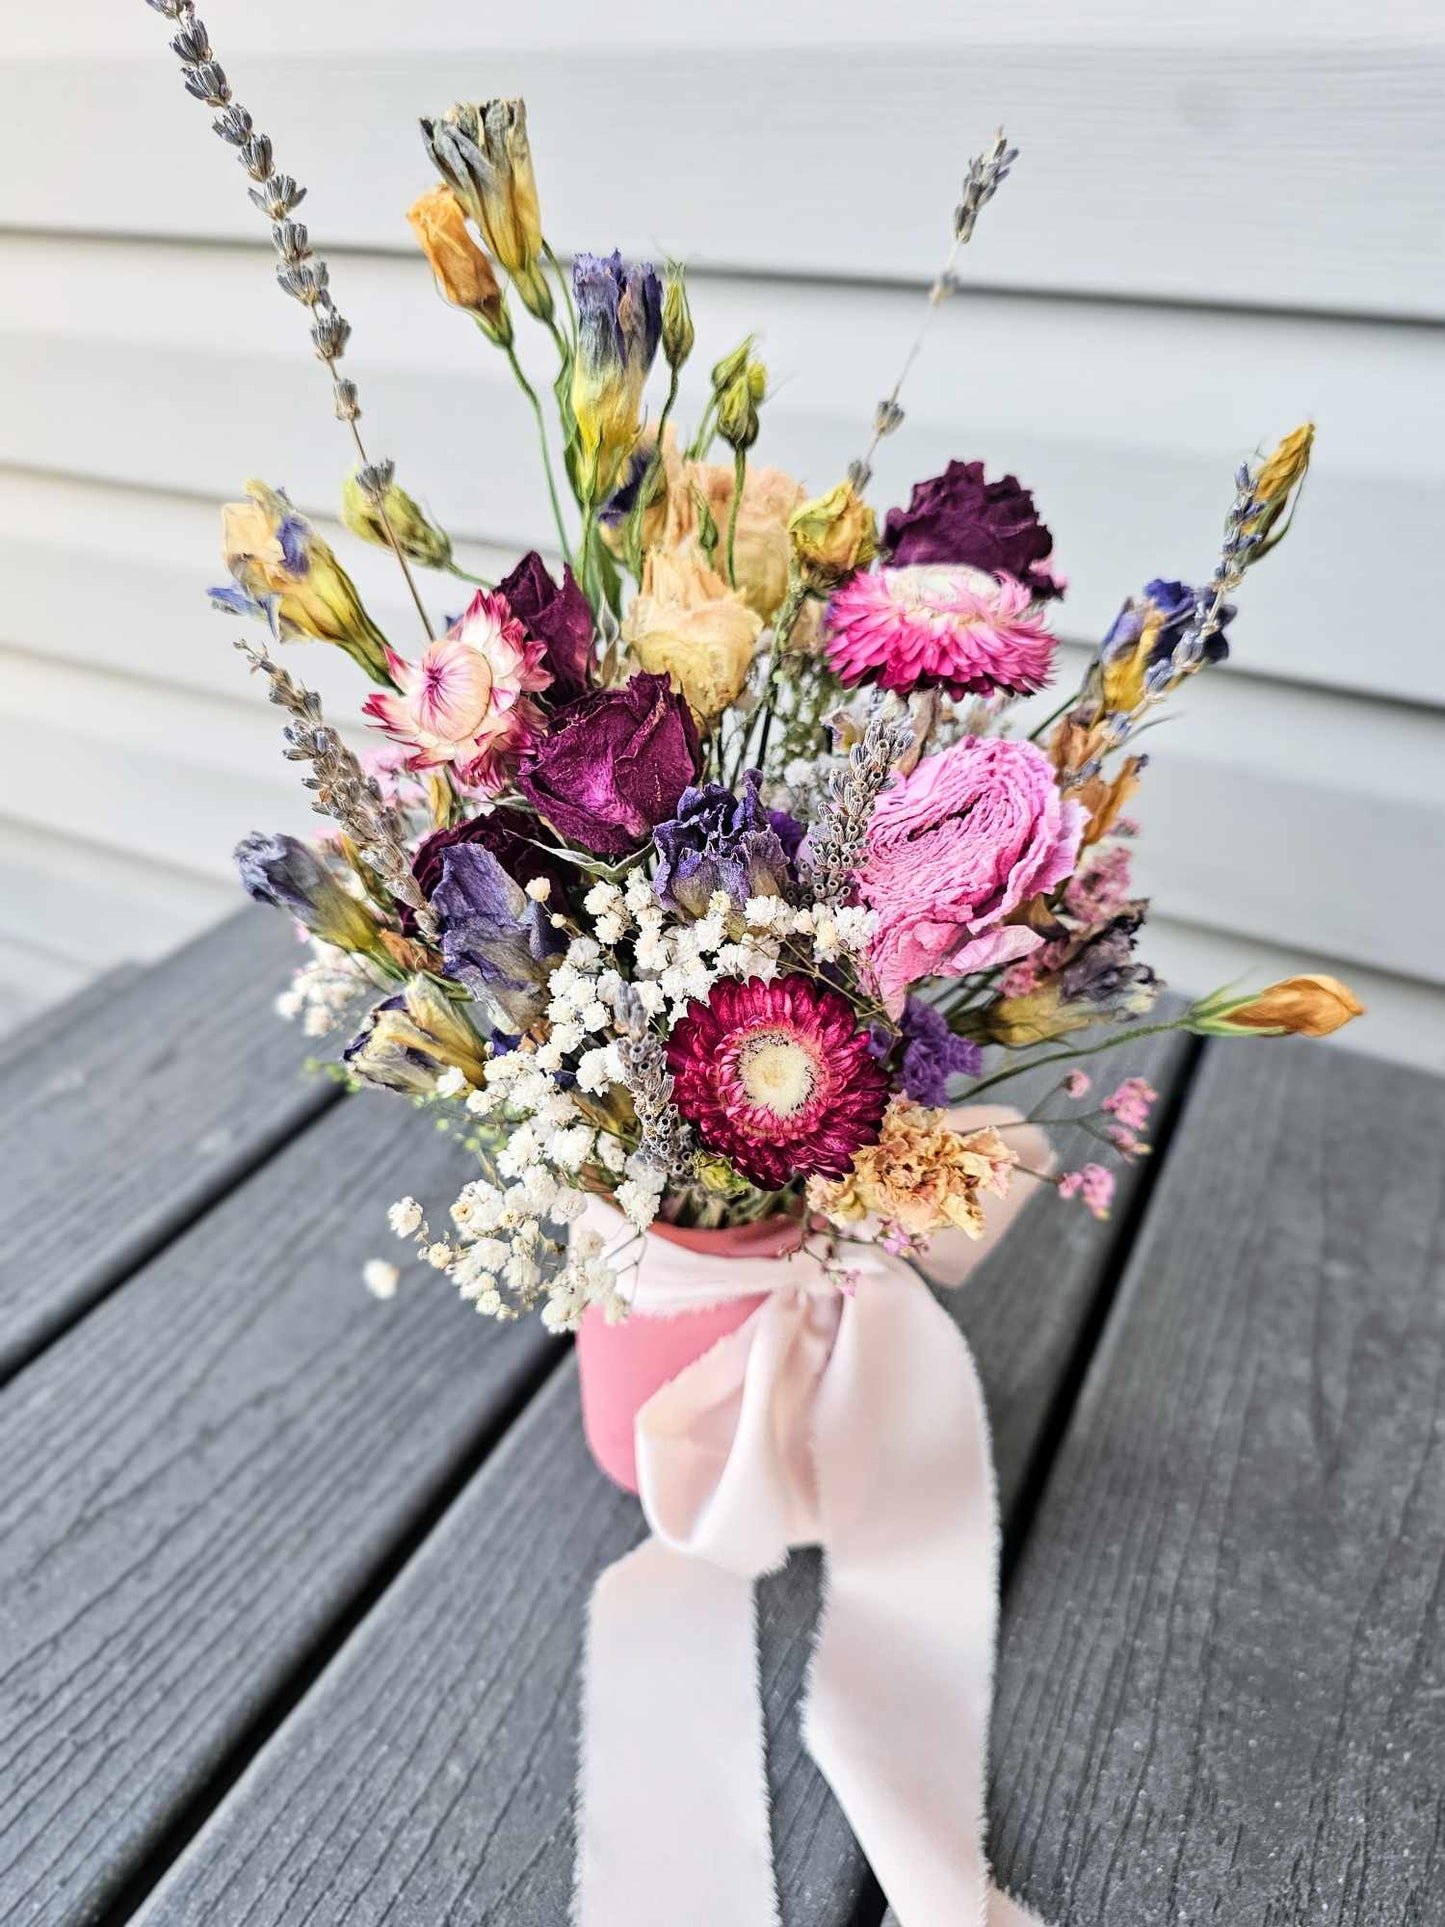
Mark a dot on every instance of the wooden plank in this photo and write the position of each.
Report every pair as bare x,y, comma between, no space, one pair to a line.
201,1482
1223,1664
118,1130
429,1774
37,1019
1127,422
1348,138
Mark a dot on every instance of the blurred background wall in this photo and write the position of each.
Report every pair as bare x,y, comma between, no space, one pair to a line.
1227,216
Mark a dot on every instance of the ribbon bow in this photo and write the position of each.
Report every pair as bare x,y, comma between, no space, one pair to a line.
853,1420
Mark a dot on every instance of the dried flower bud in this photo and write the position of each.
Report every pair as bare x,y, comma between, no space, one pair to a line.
463,274
285,873
207,82
1276,483
344,396
1308,1006
483,155
363,509
233,125
832,535
330,333
737,404
678,333
257,156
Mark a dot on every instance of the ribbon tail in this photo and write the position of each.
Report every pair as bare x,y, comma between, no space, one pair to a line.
902,1676
672,1785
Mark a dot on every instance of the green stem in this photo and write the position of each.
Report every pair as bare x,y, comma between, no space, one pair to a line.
783,625
530,392
1068,1056
632,548
740,469
564,282
465,575
702,440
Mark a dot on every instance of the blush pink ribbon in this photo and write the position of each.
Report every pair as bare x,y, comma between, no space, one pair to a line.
853,1420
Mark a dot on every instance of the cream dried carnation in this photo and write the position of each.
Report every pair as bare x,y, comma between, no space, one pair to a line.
921,1175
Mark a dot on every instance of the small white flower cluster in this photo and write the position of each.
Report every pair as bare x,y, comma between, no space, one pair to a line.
504,1250
325,992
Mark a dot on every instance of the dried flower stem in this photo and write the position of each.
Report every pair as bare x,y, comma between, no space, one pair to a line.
986,173
835,844
343,789
301,272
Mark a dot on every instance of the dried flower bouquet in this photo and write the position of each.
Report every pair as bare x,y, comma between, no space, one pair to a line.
701,864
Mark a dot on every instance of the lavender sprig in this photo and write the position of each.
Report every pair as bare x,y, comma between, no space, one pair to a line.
835,844
986,174
666,1143
1242,537
344,791
300,271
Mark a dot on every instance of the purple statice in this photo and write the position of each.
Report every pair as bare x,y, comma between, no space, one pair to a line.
719,841
931,1052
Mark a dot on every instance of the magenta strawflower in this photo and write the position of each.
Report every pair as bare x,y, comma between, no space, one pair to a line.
957,629
777,1078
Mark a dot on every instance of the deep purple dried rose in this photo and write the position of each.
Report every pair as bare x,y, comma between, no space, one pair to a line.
560,619
931,1052
511,836
719,841
958,517
613,765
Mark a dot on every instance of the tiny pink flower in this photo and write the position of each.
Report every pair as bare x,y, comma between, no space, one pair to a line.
1077,1084
466,700
1129,1105
1093,1186
1101,889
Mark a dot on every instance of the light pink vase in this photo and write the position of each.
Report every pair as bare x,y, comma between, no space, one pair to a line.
621,1366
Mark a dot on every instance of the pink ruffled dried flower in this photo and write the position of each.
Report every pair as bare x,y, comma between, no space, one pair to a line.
957,629
953,850
466,700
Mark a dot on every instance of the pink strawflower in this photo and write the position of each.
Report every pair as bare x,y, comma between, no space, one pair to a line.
466,699
1077,1084
974,832
957,629
1093,1186
777,1078
1129,1105
1102,888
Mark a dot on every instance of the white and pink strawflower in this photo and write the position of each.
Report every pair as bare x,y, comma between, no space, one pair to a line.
937,627
466,700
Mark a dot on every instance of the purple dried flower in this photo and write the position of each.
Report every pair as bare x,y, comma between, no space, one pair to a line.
613,765
719,841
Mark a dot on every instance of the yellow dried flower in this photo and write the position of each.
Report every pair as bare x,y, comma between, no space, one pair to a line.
832,535
483,154
271,551
1307,1006
686,622
1278,479
920,1175
463,273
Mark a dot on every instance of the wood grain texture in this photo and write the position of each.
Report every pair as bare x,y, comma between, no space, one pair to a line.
428,1777
124,1124
1224,1659
1298,174
201,1479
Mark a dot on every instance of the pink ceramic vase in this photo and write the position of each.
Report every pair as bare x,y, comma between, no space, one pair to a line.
621,1366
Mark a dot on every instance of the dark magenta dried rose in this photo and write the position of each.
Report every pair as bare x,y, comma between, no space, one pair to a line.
560,619
512,836
958,517
613,765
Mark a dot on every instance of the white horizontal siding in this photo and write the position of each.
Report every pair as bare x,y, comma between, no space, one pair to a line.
1213,163
1257,190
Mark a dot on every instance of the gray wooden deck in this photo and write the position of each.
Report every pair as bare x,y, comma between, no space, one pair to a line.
292,1581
